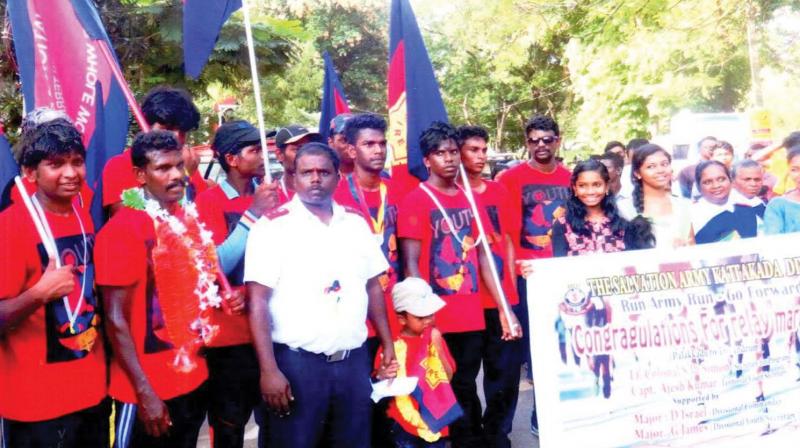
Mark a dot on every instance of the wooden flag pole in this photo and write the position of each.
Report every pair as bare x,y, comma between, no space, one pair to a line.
126,90
256,90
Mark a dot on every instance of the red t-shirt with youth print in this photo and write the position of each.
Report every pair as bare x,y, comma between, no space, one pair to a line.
221,216
49,368
495,200
452,271
349,195
123,257
536,199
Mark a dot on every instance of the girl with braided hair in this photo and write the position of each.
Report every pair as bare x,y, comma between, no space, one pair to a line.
651,174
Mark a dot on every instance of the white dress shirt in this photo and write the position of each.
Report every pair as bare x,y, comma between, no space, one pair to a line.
318,273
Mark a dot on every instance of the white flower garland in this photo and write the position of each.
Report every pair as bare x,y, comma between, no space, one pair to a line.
206,288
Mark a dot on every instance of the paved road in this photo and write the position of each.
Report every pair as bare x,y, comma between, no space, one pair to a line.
520,436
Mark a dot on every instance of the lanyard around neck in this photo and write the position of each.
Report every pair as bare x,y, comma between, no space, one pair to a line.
72,315
447,219
378,222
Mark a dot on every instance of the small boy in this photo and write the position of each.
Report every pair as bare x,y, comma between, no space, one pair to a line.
420,419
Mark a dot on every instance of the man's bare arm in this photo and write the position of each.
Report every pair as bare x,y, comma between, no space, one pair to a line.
151,411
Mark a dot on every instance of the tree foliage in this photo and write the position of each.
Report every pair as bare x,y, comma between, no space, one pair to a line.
606,69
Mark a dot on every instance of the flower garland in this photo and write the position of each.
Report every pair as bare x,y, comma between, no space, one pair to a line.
184,258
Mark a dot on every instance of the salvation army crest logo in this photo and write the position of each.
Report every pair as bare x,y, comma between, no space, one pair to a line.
576,301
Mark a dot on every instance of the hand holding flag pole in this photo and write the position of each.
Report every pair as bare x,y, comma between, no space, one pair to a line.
516,330
256,89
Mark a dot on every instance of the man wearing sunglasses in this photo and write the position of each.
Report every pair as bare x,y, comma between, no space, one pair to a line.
538,189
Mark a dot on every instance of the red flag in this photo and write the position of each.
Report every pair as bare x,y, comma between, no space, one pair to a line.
413,93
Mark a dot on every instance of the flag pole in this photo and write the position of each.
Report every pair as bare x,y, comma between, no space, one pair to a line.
256,89
515,330
126,90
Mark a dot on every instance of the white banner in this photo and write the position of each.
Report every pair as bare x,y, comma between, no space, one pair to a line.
696,347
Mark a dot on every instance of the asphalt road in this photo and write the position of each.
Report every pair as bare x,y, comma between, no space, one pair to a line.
520,435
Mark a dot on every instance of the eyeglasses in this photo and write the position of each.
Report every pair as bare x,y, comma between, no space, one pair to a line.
546,140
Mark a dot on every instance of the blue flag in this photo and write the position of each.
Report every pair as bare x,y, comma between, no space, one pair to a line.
8,169
334,101
202,21
60,47
413,93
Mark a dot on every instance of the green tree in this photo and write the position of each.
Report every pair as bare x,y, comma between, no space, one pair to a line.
147,37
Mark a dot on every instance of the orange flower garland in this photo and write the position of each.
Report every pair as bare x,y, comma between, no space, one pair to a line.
184,258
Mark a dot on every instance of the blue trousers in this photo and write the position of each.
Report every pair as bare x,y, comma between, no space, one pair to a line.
336,392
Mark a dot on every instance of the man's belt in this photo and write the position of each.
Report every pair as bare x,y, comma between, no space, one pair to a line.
340,355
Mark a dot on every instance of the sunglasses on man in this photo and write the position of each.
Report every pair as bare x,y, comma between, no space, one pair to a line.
546,140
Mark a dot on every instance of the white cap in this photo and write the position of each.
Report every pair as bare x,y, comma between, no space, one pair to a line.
415,296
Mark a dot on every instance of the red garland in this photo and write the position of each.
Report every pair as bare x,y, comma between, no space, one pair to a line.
176,258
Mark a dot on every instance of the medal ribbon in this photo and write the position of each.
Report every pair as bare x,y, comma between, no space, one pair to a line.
377,223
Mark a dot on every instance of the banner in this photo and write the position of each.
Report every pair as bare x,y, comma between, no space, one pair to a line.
60,47
693,347
8,169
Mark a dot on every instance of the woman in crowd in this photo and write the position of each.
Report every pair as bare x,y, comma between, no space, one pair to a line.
591,223
715,217
783,213
651,174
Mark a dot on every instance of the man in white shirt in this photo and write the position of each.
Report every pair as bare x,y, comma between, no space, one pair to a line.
312,270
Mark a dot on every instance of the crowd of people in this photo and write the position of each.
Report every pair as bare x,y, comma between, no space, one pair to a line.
302,293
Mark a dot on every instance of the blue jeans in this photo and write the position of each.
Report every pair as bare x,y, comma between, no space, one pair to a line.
334,392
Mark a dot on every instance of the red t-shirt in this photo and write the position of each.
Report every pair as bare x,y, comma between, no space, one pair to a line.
413,345
349,194
284,193
496,205
82,200
124,258
536,198
118,177
221,216
46,369
452,272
